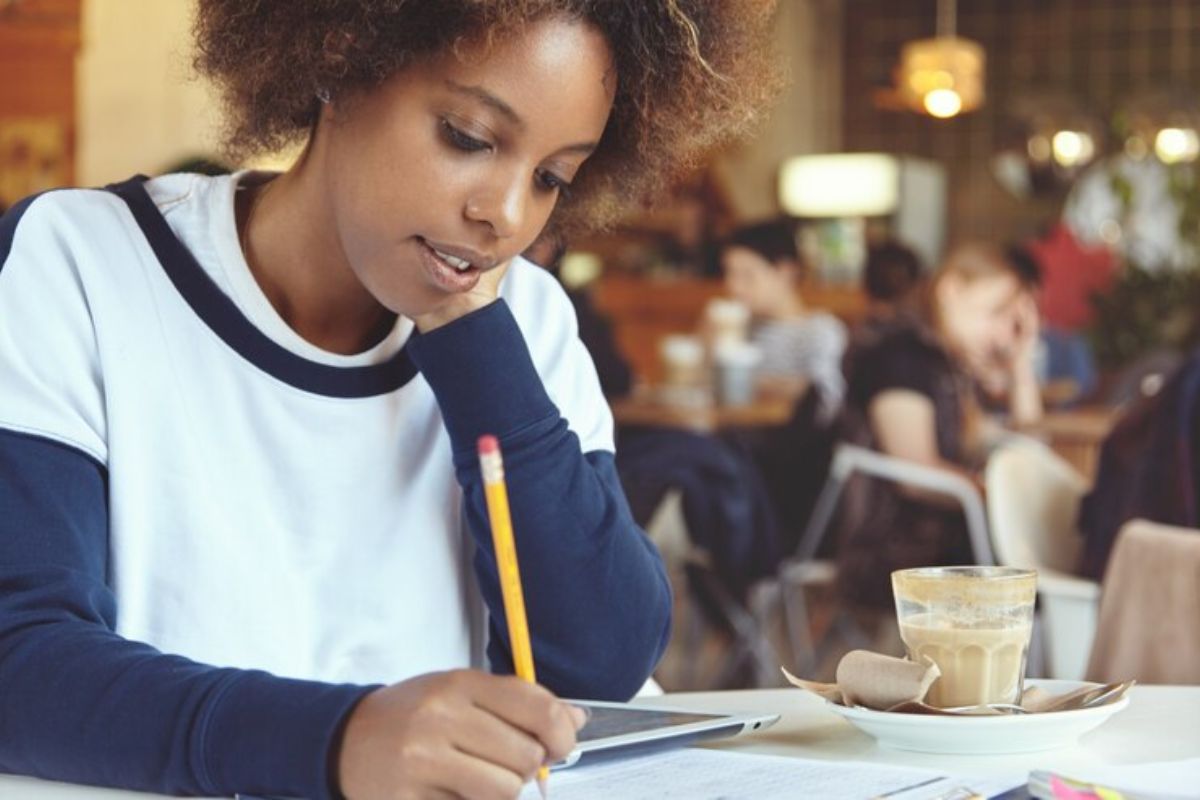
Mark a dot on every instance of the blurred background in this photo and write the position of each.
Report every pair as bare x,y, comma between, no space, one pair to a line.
1060,138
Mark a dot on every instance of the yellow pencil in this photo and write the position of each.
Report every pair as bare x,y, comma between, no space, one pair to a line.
492,467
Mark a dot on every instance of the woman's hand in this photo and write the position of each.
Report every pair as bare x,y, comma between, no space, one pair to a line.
453,734
1025,393
1026,332
485,292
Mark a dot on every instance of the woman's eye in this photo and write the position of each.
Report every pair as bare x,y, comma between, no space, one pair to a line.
463,140
552,183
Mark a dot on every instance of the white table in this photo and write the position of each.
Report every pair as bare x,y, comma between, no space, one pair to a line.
1162,723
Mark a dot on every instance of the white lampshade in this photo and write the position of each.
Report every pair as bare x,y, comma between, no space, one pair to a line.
840,185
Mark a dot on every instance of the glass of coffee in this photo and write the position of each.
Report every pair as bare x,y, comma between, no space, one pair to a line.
975,623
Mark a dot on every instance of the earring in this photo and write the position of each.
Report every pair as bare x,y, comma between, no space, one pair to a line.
323,95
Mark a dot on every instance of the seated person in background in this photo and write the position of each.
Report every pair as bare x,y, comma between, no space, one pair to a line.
994,378
801,356
1066,367
800,348
912,395
891,280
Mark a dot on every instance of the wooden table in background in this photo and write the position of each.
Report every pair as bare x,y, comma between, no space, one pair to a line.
1076,435
643,310
649,408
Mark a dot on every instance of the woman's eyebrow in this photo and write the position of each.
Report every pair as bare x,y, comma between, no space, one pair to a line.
486,97
508,112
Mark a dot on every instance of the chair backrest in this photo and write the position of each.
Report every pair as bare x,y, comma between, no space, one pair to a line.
1033,503
1150,607
849,459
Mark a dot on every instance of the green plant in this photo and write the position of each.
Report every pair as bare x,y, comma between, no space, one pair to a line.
1145,310
1153,308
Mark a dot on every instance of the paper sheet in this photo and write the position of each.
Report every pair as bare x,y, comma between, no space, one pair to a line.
700,774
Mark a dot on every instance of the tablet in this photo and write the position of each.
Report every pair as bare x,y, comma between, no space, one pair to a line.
619,730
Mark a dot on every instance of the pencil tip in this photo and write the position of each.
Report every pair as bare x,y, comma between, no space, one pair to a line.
543,788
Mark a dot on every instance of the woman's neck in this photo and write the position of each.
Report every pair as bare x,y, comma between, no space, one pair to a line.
290,243
787,306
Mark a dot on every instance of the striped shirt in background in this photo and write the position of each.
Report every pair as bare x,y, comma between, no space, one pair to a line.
808,347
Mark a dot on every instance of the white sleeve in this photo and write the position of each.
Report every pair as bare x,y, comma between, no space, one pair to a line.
50,377
547,321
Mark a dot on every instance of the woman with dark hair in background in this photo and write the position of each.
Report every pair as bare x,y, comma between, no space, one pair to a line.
801,352
801,348
891,278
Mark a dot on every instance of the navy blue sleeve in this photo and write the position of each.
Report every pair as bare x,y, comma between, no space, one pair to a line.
596,593
79,703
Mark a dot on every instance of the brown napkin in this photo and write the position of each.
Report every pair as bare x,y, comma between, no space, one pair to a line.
874,680
886,683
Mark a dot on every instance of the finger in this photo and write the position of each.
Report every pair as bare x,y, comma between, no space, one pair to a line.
490,280
490,738
534,710
468,776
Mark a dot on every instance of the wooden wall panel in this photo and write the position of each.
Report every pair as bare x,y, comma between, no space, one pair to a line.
39,40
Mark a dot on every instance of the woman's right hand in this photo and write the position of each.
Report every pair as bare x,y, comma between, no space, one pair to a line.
453,734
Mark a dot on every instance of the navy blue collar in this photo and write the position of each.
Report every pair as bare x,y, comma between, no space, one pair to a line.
221,314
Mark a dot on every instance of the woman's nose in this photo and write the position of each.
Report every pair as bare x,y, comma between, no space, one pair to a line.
501,206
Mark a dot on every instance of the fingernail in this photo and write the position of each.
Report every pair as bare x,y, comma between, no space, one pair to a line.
581,715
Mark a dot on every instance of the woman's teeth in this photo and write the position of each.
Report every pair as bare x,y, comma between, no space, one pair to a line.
460,264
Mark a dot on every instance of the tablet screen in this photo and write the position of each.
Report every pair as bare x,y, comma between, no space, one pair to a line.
607,722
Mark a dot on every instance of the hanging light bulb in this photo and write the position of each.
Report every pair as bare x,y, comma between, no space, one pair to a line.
1072,148
943,103
943,76
1176,145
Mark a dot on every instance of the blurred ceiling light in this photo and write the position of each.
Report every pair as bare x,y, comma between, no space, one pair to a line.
1176,145
1038,147
943,103
840,185
1072,148
943,76
578,269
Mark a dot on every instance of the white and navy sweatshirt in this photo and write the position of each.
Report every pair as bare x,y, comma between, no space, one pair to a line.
216,537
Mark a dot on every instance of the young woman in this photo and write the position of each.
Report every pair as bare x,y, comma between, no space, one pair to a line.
801,348
912,393
243,545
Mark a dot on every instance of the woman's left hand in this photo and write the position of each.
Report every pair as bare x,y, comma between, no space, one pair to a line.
1027,327
1025,395
485,293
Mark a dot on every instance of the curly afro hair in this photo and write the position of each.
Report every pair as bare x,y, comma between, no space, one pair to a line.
692,75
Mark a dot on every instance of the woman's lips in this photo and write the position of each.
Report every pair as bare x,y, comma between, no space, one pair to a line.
444,274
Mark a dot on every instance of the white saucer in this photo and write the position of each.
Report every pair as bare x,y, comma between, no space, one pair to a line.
984,735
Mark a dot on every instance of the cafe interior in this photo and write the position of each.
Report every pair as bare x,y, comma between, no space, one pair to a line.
941,308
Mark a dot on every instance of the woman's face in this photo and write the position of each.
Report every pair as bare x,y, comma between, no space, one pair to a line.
754,281
978,315
459,161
